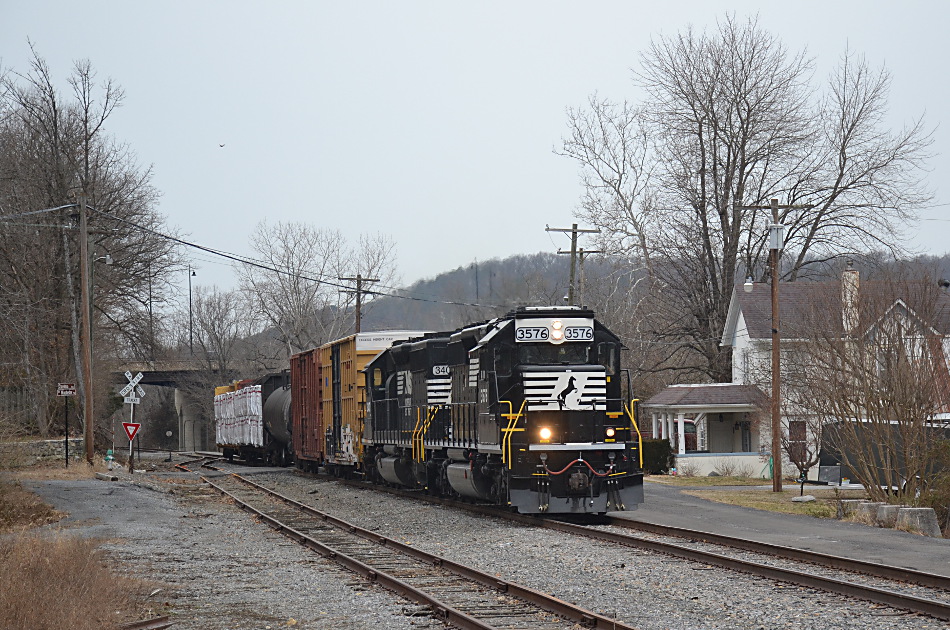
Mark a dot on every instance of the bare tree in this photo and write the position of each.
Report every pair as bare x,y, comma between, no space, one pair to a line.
731,120
297,288
878,378
54,147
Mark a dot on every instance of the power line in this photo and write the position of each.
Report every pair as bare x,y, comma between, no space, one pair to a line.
244,260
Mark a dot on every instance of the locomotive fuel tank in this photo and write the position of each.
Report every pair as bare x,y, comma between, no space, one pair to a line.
468,482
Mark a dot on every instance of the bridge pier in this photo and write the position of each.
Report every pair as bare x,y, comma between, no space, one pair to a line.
190,437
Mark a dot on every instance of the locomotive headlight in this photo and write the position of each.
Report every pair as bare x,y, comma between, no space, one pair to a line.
545,434
557,335
557,324
611,432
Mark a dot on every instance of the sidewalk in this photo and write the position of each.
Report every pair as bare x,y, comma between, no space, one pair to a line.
668,505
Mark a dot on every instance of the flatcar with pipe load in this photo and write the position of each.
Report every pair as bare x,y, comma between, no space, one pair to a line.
525,411
253,420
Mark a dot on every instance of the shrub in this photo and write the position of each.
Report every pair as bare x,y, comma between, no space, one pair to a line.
686,469
657,456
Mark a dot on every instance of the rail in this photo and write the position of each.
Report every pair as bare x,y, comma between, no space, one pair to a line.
482,614
633,424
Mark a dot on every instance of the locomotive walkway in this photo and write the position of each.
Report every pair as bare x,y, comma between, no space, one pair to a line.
668,505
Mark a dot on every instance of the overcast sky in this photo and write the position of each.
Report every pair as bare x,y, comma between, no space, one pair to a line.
432,122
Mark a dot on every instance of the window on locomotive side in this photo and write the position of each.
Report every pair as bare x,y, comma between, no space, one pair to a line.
607,356
503,355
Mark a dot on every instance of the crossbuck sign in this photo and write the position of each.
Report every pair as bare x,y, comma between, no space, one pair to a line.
133,385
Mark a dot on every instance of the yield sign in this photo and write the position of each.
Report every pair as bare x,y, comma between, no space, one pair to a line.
131,428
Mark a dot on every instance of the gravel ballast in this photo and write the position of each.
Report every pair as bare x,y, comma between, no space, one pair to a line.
646,590
221,569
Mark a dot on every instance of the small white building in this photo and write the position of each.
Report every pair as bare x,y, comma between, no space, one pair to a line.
713,427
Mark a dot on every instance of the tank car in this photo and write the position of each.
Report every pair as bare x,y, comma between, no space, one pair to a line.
523,411
253,419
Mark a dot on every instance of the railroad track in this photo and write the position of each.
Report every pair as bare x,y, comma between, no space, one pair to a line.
897,587
459,595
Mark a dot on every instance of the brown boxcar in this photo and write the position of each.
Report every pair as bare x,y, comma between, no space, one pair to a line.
306,410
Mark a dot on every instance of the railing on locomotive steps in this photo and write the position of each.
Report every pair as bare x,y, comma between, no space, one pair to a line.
633,423
507,432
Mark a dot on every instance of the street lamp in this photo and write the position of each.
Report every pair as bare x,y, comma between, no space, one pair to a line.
191,319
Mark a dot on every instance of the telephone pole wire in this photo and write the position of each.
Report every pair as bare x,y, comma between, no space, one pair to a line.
359,280
574,231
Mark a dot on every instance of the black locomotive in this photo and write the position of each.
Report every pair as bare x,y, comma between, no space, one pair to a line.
525,410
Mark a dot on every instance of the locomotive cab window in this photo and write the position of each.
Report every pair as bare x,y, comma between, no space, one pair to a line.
503,356
546,354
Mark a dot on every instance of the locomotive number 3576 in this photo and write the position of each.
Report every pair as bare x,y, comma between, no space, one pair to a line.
579,333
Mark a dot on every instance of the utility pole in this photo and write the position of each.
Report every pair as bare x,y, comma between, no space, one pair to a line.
574,231
151,321
86,332
776,243
581,255
191,317
359,279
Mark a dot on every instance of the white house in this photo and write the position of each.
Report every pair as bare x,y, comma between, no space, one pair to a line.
743,406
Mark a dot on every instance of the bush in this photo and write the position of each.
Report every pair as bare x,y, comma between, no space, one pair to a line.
657,456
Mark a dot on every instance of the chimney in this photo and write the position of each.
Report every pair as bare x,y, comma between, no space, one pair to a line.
850,282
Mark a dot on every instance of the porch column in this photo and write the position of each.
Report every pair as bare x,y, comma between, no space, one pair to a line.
681,433
662,420
654,425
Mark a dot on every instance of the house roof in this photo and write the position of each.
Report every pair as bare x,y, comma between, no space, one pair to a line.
803,305
711,395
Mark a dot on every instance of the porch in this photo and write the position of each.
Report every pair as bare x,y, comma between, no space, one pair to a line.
712,428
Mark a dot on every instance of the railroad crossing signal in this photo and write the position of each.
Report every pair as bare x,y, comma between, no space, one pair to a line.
133,385
131,428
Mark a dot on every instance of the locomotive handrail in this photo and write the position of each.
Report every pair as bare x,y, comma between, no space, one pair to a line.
633,424
419,432
415,432
512,418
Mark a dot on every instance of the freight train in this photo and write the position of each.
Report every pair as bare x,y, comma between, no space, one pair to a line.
524,411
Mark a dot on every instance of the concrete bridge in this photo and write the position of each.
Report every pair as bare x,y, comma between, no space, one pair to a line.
170,373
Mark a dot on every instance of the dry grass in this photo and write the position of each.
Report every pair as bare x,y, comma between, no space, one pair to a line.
56,471
825,505
56,581
706,481
22,509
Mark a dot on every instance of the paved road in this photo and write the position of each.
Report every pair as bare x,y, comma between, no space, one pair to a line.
667,505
